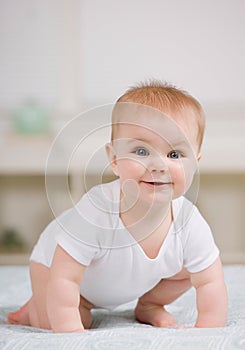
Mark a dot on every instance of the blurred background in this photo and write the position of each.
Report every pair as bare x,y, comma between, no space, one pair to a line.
59,58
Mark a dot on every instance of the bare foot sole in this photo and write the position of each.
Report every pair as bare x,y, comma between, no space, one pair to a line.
155,315
20,316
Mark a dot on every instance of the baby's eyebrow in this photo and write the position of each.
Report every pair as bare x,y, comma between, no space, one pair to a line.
172,143
180,143
138,140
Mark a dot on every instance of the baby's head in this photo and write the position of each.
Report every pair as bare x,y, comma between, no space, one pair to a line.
174,103
157,132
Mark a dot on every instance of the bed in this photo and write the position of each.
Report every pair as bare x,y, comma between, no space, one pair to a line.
118,329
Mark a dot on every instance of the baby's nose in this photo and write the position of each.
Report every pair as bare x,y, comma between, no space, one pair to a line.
157,165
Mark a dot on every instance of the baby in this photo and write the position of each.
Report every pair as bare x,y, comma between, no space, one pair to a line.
136,237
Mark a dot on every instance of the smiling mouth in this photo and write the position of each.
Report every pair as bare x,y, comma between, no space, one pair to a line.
157,183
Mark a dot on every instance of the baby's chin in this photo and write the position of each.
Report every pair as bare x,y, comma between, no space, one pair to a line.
156,198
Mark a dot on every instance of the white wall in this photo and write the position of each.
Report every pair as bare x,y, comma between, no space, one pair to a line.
38,53
199,45
72,53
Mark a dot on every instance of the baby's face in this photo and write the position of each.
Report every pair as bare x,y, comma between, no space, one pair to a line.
154,156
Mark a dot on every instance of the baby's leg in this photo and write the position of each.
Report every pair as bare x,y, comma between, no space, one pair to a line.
85,312
150,308
34,312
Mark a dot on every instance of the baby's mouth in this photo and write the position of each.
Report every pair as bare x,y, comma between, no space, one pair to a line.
156,183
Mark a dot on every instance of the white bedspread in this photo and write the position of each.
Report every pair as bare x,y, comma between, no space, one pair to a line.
118,329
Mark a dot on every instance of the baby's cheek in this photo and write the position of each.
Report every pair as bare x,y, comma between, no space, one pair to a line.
131,169
187,174
180,177
137,168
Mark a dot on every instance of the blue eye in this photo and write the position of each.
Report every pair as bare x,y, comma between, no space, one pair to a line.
174,155
141,152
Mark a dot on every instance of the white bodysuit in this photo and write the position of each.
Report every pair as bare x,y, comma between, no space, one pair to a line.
118,270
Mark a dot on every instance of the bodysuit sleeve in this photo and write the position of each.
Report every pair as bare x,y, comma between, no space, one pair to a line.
77,237
84,230
79,233
88,227
66,230
199,248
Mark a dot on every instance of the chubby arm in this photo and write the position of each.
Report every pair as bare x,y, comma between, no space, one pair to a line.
63,293
211,296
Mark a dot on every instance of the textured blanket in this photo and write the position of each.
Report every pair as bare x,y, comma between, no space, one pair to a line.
119,329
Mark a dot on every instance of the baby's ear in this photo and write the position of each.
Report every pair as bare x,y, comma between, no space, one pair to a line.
111,154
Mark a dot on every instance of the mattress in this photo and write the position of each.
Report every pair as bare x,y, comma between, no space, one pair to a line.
118,329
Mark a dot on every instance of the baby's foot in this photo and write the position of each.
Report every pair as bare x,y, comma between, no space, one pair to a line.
20,316
155,315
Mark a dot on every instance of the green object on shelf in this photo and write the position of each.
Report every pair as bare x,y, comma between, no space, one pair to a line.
10,241
31,119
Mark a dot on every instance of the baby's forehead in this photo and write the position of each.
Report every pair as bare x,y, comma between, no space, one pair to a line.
148,128
148,117
136,118
132,134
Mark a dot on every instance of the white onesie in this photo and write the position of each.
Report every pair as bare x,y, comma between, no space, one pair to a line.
118,270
